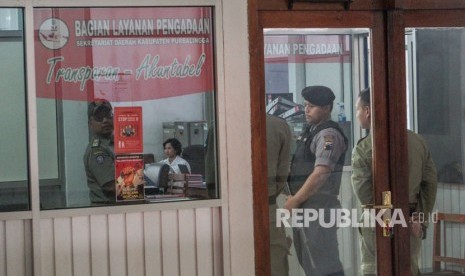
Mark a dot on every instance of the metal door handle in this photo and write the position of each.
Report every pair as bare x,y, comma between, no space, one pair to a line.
386,205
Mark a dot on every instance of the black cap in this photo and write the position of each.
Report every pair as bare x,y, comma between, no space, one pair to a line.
100,105
318,95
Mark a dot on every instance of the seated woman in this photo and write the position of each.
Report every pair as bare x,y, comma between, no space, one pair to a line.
173,149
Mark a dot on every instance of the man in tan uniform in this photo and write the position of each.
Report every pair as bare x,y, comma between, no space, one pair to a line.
278,136
422,187
99,158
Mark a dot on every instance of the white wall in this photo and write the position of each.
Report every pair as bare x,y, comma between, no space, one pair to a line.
155,112
235,145
13,151
169,242
336,76
48,140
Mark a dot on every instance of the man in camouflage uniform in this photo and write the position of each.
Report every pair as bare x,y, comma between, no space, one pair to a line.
422,187
99,158
278,137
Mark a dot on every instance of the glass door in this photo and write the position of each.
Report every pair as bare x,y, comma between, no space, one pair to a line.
314,71
317,61
414,72
435,66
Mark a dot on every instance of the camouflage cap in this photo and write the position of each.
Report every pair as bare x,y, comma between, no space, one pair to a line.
98,104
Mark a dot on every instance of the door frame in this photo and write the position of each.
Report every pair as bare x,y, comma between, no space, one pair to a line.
375,20
388,21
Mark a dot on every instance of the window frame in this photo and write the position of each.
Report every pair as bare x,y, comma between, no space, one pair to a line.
35,183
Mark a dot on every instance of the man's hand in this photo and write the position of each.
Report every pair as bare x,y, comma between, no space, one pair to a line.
416,229
291,203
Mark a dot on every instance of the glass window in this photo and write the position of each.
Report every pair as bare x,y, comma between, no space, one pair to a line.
298,58
14,195
126,105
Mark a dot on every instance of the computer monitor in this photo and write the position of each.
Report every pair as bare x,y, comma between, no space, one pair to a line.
157,174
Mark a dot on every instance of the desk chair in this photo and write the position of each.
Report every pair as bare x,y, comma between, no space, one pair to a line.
195,156
439,248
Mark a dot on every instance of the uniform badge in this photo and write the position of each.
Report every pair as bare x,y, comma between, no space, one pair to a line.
329,141
95,143
100,159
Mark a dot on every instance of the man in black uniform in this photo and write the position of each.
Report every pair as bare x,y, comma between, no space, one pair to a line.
315,179
99,158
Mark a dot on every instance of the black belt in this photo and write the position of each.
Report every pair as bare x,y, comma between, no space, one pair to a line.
412,208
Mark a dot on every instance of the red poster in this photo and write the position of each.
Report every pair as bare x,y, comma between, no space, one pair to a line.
123,54
129,175
128,129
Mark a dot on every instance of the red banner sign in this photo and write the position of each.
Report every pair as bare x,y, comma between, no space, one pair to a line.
307,48
123,54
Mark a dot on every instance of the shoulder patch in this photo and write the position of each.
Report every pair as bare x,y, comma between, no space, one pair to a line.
301,139
329,141
95,143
